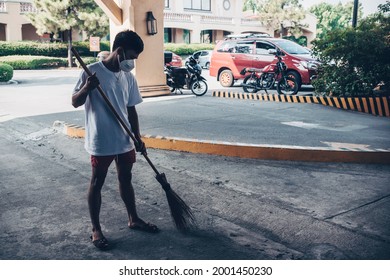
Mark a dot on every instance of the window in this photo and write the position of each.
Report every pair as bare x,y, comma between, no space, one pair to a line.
263,48
186,36
166,3
196,55
291,47
167,35
227,46
3,7
203,5
244,47
206,36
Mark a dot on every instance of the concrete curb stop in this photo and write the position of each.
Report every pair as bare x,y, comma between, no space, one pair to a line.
253,151
377,106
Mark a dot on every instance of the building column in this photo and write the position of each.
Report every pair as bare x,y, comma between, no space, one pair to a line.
149,67
14,27
195,32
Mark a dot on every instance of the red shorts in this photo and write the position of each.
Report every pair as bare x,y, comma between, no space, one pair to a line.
103,162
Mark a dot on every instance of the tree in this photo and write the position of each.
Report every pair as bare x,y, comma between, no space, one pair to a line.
56,16
278,14
251,5
356,60
331,17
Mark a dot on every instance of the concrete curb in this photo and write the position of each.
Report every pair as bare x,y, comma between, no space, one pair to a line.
377,106
10,82
244,150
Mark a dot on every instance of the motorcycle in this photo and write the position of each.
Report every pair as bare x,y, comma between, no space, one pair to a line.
264,79
188,77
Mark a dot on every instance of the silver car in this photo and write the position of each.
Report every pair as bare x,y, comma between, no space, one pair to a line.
203,58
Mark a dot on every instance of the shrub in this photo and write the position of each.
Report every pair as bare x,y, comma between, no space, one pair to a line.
33,62
6,72
186,49
87,60
355,60
47,49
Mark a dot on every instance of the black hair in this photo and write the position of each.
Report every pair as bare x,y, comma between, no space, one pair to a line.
128,40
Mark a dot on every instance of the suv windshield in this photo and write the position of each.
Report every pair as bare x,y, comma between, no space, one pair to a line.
291,47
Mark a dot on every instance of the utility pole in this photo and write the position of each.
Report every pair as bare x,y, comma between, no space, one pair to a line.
355,13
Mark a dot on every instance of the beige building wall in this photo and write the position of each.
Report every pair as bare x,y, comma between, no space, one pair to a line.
16,26
13,18
224,17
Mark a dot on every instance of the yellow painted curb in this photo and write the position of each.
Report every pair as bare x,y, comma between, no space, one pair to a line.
377,106
288,153
74,131
265,152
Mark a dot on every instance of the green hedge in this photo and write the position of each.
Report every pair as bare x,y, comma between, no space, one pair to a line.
61,49
87,60
47,49
187,49
33,62
6,72
34,55
26,62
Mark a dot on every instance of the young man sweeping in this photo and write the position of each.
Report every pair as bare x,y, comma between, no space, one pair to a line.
105,139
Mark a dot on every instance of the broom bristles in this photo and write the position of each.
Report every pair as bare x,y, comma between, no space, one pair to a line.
181,213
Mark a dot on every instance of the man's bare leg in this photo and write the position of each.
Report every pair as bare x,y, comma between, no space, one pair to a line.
127,193
95,201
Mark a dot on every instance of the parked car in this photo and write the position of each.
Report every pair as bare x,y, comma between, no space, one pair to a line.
176,59
203,58
233,54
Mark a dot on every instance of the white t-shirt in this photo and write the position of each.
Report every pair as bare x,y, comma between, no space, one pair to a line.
103,133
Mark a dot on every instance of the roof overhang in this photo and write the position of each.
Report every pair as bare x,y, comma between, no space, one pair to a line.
112,10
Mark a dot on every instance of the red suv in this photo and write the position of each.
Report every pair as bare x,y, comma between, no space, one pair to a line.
233,54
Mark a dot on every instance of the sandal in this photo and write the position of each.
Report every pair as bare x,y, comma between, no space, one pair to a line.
101,244
142,226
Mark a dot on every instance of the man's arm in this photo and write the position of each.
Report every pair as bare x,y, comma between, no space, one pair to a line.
80,96
133,119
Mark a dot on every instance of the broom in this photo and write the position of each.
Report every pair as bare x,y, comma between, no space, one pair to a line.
180,211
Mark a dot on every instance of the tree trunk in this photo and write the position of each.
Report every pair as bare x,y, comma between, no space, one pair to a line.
281,31
70,60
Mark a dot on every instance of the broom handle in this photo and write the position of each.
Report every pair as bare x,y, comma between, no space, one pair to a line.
124,125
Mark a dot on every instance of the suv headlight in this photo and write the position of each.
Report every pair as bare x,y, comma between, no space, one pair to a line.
309,65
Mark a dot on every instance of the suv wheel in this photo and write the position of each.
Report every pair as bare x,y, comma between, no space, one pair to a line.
226,78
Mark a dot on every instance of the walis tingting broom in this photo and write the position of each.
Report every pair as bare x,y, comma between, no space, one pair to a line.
180,211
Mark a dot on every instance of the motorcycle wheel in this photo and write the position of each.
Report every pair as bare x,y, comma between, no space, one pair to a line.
288,86
199,88
249,84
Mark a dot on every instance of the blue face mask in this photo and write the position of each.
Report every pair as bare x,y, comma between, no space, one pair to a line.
126,65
